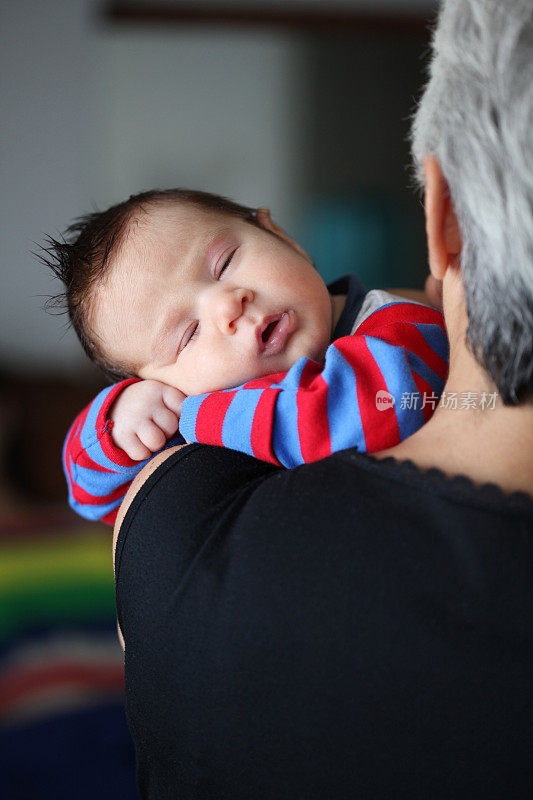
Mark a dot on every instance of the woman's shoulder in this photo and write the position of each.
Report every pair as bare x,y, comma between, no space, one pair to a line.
185,487
432,481
346,488
136,486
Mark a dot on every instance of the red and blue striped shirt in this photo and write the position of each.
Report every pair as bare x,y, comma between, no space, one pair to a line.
377,386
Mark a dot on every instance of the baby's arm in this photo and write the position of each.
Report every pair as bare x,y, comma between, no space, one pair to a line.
109,442
314,410
288,418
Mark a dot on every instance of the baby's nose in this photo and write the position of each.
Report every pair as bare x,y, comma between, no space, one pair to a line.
231,306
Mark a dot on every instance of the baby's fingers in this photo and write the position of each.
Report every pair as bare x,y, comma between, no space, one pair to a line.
173,399
135,449
151,436
166,420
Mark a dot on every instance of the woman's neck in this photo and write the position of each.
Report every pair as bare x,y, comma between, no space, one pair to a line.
491,446
472,432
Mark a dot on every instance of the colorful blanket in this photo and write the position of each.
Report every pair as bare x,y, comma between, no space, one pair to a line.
63,731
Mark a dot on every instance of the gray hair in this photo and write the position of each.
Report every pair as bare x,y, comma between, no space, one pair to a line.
476,118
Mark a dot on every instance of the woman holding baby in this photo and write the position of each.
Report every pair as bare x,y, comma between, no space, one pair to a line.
362,626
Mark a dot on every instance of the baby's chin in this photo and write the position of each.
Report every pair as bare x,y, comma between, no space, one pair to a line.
317,352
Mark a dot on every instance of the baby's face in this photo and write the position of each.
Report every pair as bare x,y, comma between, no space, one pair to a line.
204,301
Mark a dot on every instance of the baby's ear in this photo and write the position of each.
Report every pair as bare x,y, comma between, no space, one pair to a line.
265,221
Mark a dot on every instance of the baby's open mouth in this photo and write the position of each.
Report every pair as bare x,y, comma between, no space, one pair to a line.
274,331
265,336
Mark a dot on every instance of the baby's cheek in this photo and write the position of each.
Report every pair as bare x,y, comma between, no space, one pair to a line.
173,380
313,347
168,375
179,379
199,375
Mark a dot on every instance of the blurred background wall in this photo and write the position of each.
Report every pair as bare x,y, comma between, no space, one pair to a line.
308,119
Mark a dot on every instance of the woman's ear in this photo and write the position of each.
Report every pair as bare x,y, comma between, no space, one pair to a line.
442,229
265,221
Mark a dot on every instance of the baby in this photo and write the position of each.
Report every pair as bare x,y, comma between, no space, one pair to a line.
221,325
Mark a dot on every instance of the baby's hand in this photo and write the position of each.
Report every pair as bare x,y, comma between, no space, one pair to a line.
145,415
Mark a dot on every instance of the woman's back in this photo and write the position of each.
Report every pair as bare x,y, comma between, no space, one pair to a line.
384,650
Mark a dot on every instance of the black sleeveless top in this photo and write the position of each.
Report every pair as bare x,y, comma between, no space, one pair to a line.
352,628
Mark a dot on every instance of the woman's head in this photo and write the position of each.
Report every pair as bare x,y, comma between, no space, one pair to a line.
476,118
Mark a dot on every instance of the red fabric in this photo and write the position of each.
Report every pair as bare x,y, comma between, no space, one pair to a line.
111,518
262,423
411,338
394,324
81,496
210,418
73,446
313,425
265,382
104,427
380,427
424,388
84,460
398,312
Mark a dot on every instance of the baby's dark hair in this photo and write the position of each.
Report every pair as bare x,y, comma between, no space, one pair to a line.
82,258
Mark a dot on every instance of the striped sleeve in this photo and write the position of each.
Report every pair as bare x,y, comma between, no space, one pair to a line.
98,473
376,387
